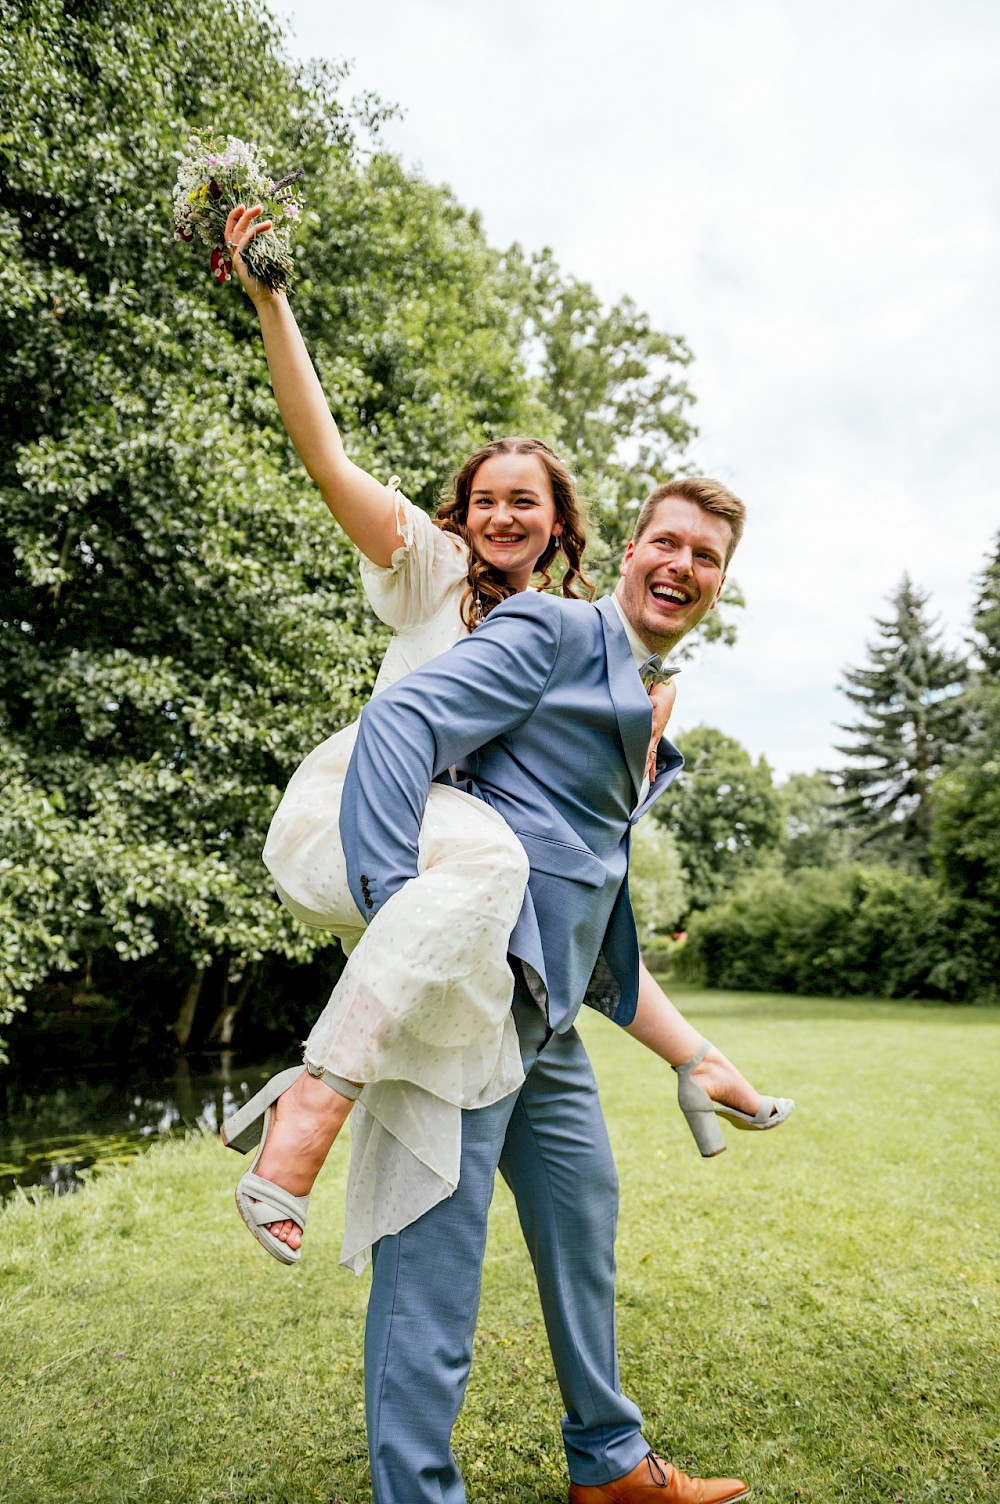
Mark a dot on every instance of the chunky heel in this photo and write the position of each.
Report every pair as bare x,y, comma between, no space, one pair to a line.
704,1126
702,1114
243,1130
698,1107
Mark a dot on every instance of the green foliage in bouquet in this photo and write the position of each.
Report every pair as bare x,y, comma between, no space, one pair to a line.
211,180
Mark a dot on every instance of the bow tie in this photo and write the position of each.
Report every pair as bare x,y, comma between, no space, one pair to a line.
655,671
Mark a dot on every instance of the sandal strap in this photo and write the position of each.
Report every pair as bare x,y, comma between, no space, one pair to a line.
272,1203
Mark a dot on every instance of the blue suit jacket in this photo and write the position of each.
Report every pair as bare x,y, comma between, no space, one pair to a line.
544,708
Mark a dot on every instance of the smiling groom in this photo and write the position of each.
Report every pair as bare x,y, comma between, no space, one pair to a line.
545,706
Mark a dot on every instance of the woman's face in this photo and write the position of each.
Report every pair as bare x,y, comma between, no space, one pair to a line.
512,514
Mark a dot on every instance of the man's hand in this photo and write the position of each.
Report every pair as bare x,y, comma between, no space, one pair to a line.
662,697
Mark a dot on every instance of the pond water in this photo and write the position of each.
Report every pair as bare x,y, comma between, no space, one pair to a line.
52,1128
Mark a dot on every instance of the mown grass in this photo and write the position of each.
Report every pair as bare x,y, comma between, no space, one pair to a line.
815,1309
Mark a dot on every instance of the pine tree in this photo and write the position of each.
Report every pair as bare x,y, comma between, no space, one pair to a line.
911,720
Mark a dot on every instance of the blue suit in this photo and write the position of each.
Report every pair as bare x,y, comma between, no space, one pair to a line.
544,709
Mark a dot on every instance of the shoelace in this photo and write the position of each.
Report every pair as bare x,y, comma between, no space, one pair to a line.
656,1472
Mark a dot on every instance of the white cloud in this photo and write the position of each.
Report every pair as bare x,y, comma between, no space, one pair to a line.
809,194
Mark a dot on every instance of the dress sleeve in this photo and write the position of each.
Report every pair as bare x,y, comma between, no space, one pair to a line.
422,573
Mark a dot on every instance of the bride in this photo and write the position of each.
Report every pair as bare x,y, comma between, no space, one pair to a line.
419,1027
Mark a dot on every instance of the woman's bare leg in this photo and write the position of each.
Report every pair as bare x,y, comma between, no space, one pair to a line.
308,1118
662,1028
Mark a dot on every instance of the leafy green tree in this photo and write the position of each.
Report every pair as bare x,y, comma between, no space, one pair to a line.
656,882
181,621
724,812
966,837
616,388
910,721
816,834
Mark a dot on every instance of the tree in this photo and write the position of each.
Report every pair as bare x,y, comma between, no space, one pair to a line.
180,620
656,882
816,834
911,720
615,386
966,835
724,812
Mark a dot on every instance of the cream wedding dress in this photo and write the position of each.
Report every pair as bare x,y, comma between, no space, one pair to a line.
421,1013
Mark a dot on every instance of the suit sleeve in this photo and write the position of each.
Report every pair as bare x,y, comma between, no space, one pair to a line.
483,687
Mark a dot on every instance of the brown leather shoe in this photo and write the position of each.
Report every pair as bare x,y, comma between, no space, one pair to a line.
654,1481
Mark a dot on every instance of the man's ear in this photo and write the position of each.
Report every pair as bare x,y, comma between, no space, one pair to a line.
626,556
717,594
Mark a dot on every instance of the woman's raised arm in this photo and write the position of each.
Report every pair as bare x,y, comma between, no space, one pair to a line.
364,508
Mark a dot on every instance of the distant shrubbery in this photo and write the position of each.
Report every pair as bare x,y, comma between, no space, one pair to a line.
851,931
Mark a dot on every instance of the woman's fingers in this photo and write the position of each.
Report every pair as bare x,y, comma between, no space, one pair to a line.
662,697
242,225
248,225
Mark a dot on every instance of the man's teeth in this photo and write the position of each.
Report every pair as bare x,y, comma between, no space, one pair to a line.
665,593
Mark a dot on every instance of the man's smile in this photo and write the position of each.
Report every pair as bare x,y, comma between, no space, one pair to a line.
671,595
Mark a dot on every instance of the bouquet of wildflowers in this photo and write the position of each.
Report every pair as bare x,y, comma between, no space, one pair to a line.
211,180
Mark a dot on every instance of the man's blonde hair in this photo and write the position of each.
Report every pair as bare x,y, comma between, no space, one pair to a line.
711,495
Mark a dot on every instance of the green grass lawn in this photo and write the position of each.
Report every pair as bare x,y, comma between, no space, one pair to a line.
815,1310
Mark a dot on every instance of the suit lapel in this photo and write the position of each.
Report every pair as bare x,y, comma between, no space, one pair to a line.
631,702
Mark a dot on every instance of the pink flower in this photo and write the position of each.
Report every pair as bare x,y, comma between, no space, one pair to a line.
291,211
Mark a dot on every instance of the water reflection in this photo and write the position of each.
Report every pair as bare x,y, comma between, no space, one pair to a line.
53,1128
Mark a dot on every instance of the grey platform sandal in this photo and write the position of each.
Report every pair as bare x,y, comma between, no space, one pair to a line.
259,1201
702,1113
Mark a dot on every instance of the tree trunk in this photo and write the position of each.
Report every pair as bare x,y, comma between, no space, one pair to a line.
184,1022
222,1029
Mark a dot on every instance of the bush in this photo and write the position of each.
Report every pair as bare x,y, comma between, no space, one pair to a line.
857,930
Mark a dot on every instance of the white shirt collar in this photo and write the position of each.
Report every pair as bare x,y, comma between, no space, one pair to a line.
640,652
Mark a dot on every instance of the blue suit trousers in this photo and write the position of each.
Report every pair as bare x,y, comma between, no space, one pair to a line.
550,1143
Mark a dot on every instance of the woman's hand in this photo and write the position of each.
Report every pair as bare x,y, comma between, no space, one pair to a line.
662,697
241,227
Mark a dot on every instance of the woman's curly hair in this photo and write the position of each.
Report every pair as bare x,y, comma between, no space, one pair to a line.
489,586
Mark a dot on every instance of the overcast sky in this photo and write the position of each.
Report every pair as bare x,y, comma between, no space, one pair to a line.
810,193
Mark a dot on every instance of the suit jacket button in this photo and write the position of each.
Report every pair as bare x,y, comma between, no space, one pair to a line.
368,902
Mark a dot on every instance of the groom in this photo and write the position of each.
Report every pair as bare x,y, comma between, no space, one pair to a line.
545,706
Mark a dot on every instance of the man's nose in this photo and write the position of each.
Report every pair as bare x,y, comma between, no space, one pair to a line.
682,560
